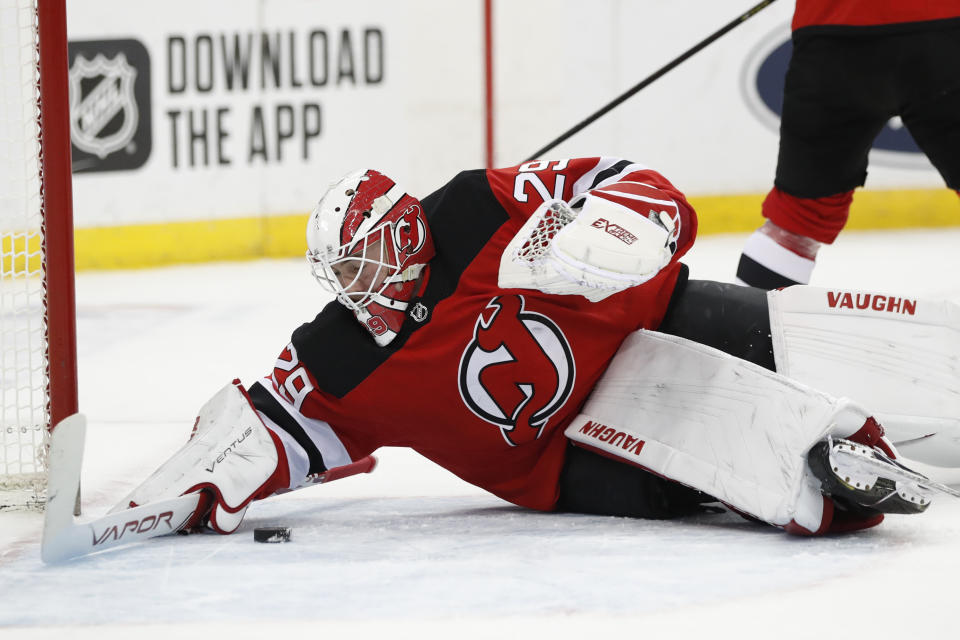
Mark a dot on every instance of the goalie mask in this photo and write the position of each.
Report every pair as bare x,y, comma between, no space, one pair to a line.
368,243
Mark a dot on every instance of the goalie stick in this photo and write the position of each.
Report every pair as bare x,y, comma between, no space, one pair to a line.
64,537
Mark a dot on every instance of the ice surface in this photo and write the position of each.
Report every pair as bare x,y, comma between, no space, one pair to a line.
411,551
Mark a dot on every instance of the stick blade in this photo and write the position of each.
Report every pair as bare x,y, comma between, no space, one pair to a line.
63,483
64,537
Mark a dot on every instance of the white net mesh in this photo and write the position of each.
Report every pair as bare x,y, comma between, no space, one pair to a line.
23,352
556,217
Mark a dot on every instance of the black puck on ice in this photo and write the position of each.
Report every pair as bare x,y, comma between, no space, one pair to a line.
271,534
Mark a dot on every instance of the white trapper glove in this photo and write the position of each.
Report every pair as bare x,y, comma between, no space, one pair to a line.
231,457
594,250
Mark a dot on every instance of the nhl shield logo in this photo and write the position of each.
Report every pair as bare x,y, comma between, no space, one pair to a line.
103,111
419,312
110,105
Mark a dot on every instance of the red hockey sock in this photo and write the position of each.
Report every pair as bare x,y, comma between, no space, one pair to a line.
821,219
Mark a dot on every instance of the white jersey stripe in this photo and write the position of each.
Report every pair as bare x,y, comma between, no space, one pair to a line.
633,196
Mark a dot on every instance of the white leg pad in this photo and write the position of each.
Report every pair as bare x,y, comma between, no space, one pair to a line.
716,423
898,355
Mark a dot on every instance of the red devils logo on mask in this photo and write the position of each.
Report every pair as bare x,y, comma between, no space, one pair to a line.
410,232
517,371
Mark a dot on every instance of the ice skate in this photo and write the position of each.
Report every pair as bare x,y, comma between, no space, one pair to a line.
866,477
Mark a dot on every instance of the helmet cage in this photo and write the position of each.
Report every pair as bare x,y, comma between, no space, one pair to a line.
360,270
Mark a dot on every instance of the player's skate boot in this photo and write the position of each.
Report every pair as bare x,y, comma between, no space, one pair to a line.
863,476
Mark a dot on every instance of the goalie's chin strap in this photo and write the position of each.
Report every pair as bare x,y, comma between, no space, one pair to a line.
410,273
388,303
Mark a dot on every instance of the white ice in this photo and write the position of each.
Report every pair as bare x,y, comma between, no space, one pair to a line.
411,551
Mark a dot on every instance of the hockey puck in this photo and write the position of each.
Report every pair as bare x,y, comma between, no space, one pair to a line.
271,534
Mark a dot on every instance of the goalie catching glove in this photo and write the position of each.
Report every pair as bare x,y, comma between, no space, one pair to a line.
231,458
594,248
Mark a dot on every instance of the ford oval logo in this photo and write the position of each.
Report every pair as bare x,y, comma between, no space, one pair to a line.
762,84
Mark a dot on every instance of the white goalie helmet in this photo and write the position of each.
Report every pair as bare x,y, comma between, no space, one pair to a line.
368,243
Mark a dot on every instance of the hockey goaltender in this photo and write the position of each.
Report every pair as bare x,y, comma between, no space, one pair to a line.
532,330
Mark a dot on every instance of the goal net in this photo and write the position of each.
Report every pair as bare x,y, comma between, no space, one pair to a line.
37,352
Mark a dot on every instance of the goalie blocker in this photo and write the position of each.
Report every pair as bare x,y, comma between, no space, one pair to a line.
231,459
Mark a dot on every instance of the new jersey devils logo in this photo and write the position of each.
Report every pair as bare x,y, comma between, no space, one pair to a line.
410,232
517,371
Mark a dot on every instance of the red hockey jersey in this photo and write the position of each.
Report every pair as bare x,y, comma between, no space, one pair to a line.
480,380
871,12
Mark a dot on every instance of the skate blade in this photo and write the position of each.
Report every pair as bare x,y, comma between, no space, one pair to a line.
866,477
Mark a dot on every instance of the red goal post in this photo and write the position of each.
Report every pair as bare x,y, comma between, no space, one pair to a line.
38,362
